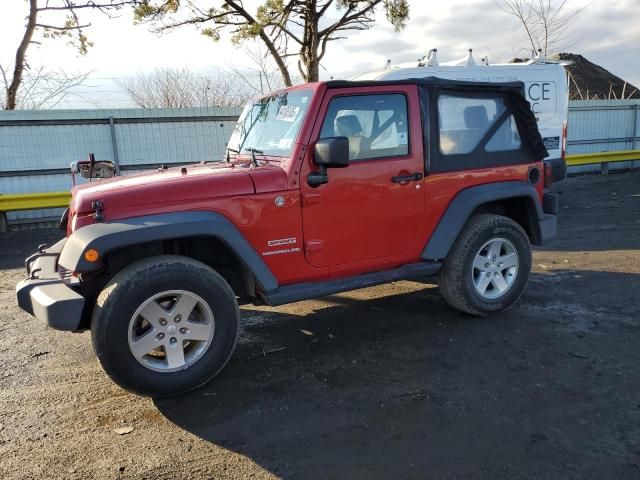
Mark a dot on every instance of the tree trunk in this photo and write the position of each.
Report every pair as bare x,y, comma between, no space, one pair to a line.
310,63
309,55
313,68
284,71
12,91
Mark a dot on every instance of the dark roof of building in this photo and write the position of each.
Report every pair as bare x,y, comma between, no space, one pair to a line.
589,81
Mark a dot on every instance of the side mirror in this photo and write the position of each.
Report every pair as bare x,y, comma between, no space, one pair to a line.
332,152
92,168
100,169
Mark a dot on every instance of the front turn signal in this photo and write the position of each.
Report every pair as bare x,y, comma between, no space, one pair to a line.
91,255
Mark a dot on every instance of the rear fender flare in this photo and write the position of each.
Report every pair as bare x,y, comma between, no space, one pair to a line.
463,205
108,236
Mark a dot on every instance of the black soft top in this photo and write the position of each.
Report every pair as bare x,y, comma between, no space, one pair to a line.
514,92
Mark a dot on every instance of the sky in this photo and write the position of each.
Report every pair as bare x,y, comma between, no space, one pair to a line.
605,32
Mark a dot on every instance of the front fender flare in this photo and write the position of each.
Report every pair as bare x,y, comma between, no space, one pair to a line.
463,205
108,236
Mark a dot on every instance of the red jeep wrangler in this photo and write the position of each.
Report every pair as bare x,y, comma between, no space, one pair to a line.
327,187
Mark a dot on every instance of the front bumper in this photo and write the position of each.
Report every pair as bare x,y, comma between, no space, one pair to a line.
48,292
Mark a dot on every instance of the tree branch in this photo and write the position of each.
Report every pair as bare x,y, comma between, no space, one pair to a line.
111,5
63,29
265,38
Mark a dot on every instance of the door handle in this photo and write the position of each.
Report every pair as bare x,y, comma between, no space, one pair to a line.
413,177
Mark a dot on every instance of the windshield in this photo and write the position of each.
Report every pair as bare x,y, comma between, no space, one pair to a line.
271,124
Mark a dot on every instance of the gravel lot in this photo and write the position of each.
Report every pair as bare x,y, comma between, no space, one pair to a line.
386,382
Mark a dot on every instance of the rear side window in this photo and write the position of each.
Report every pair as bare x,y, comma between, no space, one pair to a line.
463,121
506,137
376,125
475,130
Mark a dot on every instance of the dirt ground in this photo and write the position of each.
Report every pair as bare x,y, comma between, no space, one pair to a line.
386,382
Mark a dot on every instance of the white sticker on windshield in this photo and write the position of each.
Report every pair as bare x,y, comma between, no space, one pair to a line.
287,113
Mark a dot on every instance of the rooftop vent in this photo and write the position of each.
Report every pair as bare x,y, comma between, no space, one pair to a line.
470,61
432,59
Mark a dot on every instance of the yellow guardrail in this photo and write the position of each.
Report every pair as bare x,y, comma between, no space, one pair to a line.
602,157
30,201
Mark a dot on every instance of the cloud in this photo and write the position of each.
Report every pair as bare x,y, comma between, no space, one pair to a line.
609,37
386,46
605,32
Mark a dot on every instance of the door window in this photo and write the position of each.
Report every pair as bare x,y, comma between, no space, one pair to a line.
376,125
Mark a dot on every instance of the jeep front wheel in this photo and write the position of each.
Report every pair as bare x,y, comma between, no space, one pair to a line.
488,267
165,325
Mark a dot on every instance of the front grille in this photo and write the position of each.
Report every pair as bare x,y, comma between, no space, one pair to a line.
65,275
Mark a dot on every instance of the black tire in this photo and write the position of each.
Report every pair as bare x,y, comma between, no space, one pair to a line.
456,275
129,289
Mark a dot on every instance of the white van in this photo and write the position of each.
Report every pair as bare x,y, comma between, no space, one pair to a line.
545,85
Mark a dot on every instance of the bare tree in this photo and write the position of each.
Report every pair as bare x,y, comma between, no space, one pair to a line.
52,19
41,88
545,22
180,88
263,76
305,25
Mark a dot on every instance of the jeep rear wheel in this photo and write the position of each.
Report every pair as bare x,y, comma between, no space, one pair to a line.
488,267
165,325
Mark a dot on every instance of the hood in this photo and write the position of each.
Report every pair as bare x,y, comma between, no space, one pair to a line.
175,185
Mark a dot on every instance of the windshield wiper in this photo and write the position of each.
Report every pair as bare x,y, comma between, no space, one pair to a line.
229,149
253,151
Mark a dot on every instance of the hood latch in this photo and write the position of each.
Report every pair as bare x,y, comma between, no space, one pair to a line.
98,208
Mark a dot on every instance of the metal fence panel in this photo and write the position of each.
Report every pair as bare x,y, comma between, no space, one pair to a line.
47,147
37,147
171,142
603,126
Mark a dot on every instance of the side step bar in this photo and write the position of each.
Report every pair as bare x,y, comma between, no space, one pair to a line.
307,290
